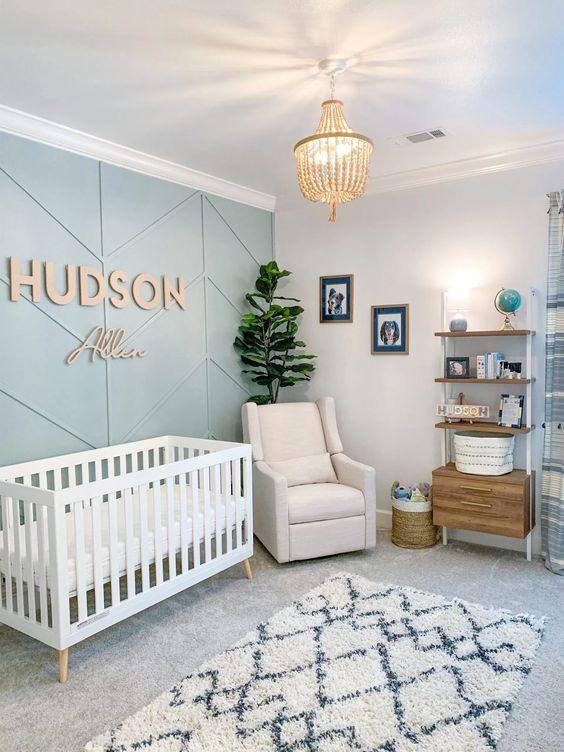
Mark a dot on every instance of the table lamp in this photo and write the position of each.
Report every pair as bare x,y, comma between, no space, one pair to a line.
457,303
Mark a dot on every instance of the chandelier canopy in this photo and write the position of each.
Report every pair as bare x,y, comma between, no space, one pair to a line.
333,163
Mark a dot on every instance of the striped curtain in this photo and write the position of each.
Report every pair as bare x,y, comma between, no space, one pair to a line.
552,517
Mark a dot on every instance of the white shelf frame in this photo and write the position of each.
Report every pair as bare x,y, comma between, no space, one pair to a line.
532,299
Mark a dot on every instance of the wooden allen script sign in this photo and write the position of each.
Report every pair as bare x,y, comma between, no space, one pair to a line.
91,287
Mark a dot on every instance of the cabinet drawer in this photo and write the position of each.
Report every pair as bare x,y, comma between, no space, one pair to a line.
482,512
480,487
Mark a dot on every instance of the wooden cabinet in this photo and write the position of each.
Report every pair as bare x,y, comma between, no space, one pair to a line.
498,504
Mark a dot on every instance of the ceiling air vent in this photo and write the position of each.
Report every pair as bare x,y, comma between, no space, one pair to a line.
417,138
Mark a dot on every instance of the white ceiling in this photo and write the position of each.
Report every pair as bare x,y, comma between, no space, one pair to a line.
228,86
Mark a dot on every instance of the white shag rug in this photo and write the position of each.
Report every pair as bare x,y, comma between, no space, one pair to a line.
353,665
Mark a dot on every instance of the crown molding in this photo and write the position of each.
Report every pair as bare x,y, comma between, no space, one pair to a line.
528,156
61,137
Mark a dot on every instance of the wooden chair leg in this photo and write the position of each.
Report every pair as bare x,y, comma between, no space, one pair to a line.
248,570
63,665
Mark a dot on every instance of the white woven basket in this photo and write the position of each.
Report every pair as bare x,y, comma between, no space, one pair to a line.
411,506
483,453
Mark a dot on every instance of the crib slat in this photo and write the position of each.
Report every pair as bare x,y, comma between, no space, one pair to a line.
218,511
96,504
237,494
98,469
130,564
58,478
28,523
144,534
17,529
228,496
41,561
158,531
194,485
7,524
207,514
78,513
113,535
171,531
184,544
248,494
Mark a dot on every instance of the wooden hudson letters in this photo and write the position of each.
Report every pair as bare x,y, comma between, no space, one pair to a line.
90,287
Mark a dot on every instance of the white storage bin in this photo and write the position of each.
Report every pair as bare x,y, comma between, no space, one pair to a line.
483,453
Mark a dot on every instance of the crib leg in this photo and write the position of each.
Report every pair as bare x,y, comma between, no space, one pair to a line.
248,570
63,665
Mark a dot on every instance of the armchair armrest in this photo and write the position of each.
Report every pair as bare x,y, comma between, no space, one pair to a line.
362,477
270,510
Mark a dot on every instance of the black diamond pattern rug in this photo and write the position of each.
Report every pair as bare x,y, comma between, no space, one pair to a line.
353,665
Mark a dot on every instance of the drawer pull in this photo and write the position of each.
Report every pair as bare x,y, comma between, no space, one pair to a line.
476,504
477,488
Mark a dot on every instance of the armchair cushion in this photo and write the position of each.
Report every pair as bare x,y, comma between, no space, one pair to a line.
302,470
323,501
289,430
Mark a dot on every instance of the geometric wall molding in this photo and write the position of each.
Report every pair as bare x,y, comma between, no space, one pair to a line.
59,136
190,381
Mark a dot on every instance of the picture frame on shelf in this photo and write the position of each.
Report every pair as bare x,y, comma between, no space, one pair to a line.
336,299
390,329
457,368
510,370
511,410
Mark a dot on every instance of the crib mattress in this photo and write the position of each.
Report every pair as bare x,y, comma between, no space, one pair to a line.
135,550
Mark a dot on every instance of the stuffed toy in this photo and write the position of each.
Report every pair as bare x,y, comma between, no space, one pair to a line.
424,488
401,492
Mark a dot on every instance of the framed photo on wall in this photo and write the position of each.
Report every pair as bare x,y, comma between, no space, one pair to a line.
336,299
390,329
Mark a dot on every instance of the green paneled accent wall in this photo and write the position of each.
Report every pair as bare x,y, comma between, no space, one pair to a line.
60,207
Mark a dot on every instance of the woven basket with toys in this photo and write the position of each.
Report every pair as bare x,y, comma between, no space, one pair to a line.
412,516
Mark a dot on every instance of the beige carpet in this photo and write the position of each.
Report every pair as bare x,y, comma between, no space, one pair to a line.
119,671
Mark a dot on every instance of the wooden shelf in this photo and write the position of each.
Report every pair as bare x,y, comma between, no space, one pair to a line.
483,381
484,426
449,470
488,333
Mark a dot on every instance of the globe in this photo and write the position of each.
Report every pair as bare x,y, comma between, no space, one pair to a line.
507,301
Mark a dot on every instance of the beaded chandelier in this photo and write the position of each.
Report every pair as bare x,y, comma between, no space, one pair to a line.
333,163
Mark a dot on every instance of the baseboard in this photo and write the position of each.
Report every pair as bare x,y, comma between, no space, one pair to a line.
383,519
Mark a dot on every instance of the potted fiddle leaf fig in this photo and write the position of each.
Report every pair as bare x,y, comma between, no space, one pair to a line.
267,342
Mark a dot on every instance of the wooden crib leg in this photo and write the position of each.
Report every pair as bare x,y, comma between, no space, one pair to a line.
248,570
63,665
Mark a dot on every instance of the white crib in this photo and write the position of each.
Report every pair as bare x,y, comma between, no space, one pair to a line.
88,539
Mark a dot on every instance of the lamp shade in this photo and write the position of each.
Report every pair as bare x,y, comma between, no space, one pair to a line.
458,299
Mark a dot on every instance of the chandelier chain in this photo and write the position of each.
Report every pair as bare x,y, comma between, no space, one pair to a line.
332,85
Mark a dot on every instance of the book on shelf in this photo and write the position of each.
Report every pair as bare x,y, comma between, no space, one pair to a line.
488,365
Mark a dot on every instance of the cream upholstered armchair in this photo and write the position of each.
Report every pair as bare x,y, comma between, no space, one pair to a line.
310,499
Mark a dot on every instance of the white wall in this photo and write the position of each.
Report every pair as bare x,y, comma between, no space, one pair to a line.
407,247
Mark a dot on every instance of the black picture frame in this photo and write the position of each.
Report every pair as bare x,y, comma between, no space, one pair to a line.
457,368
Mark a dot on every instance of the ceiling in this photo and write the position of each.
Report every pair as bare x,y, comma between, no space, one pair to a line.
228,86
